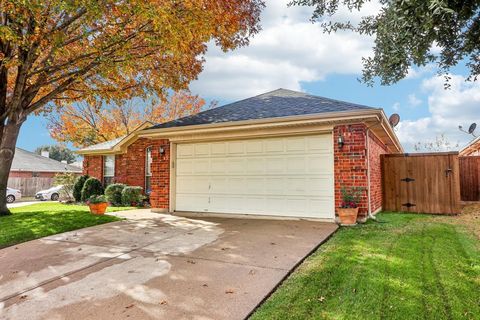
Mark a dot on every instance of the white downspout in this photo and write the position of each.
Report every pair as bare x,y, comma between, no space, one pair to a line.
370,215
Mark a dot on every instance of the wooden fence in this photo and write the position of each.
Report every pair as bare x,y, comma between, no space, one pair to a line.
470,178
30,186
425,183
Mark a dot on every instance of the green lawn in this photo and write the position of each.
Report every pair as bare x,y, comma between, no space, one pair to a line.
403,266
44,219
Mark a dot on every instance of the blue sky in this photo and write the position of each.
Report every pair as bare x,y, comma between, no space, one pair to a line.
290,52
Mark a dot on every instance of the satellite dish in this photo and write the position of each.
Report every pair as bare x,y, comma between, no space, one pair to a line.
472,128
394,120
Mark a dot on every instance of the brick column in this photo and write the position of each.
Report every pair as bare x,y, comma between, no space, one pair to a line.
350,163
159,197
93,166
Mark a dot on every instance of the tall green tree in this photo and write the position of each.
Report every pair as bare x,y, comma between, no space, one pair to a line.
409,33
57,52
57,152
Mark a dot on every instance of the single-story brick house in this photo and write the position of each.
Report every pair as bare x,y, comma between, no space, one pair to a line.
31,172
283,153
471,149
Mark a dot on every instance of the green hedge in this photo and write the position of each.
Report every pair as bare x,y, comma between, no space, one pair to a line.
92,187
113,193
132,196
78,186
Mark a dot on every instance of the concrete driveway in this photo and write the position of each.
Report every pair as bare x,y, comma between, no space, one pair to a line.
154,266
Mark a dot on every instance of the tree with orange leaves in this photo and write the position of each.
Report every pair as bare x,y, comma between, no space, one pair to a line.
85,124
57,52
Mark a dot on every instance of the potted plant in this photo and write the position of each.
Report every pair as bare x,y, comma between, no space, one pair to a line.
348,211
97,204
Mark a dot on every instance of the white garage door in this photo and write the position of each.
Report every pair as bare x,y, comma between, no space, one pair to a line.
289,176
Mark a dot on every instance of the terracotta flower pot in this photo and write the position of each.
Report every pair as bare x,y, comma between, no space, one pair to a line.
348,216
98,208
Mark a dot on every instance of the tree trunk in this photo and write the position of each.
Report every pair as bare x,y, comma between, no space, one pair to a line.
9,134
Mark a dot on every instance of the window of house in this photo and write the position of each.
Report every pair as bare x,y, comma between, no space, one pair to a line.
108,170
148,170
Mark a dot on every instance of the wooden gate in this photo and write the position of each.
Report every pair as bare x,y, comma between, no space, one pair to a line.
422,182
470,178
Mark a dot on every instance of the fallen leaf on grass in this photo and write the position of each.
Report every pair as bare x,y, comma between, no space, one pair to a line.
321,299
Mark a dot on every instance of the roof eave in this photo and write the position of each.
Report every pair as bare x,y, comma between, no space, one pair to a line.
378,113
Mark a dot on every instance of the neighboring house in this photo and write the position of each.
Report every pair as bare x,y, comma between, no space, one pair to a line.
282,153
472,149
31,172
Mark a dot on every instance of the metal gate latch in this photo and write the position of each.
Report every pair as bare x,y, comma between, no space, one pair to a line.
407,179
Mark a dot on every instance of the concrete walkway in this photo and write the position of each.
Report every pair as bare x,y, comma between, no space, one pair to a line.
154,266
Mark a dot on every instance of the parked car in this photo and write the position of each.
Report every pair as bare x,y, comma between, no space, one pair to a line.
13,194
49,194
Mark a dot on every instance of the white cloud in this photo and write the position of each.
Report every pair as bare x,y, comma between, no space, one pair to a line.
396,106
448,109
413,101
289,50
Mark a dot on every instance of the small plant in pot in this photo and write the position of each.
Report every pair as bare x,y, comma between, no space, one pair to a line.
348,212
98,204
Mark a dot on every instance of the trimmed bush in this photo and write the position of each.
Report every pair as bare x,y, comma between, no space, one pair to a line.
132,196
113,193
78,186
92,187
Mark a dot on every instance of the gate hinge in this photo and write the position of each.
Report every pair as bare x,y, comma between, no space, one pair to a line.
407,179
408,205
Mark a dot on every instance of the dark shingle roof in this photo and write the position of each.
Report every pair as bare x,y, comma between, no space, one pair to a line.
24,160
274,104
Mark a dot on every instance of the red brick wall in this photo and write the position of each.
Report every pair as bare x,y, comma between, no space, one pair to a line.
130,169
350,163
375,149
93,166
29,174
159,198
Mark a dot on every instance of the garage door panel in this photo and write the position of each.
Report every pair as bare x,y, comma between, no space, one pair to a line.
201,166
295,144
275,165
192,202
254,146
218,148
184,166
184,150
296,164
236,147
289,176
218,166
194,184
274,185
319,144
274,146
235,166
255,166
318,163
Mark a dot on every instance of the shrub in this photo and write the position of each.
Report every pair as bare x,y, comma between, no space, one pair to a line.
78,186
113,193
132,196
91,187
95,199
68,181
